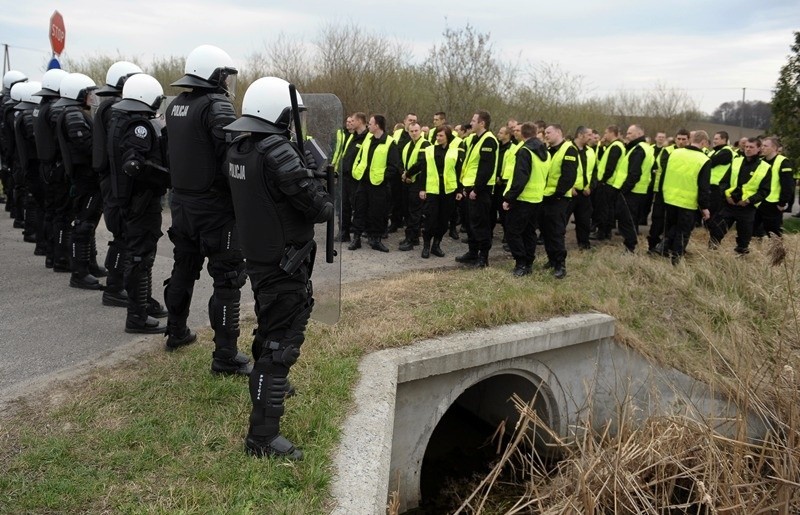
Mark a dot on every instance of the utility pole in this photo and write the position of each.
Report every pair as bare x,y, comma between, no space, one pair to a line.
741,122
6,59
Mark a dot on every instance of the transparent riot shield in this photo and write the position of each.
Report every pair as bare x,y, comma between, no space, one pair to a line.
323,117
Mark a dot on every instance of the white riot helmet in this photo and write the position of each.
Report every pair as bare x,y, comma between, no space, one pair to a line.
77,89
116,76
28,99
141,93
266,107
208,67
51,83
15,94
12,77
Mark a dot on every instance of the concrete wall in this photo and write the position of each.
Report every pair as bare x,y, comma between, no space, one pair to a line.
572,362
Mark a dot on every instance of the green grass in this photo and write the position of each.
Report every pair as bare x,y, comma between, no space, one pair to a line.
163,435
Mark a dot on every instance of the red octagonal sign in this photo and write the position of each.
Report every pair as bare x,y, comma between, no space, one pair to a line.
57,33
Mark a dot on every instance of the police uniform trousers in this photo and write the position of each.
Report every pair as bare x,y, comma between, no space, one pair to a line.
769,218
370,215
626,209
58,205
283,305
657,223
87,208
398,199
438,209
520,230
744,218
580,206
203,226
112,216
142,218
479,223
553,226
679,223
716,200
34,206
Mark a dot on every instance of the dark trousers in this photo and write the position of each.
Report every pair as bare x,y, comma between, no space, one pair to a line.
498,214
398,203
603,200
520,230
770,218
553,226
414,219
679,223
479,224
370,208
627,206
437,209
743,217
349,186
143,230
657,223
716,200
581,206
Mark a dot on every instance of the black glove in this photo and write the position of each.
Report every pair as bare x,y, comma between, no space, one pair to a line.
310,161
132,168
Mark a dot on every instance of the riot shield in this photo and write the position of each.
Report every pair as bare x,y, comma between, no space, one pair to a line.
323,117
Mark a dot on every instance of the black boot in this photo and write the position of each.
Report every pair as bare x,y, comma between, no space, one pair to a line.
471,256
377,244
154,308
454,233
177,338
409,243
223,311
426,249
114,293
95,268
81,278
436,249
138,321
61,238
559,271
356,243
483,260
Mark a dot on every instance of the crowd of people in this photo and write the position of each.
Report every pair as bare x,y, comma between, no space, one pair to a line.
245,197
531,178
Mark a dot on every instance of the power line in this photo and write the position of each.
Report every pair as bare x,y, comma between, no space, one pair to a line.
47,52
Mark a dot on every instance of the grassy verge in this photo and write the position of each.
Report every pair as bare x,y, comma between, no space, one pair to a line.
164,436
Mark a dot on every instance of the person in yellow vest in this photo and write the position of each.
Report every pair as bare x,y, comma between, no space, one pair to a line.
340,139
746,183
352,146
438,177
398,190
769,214
721,158
630,182
603,201
742,145
684,187
659,142
410,156
478,178
523,196
505,139
655,238
580,204
561,175
377,161
439,119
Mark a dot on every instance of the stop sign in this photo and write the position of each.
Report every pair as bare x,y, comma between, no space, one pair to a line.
57,33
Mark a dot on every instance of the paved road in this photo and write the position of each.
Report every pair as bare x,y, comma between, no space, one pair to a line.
46,326
49,330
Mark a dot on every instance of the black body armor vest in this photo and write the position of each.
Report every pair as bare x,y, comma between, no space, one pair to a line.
26,140
123,130
266,221
197,154
74,131
102,119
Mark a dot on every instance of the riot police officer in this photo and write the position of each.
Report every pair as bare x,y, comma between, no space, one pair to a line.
278,199
56,185
203,222
138,178
8,148
29,165
114,292
74,133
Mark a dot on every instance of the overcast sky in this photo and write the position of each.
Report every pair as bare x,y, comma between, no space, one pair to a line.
710,49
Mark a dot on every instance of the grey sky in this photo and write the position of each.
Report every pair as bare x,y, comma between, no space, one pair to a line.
710,49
